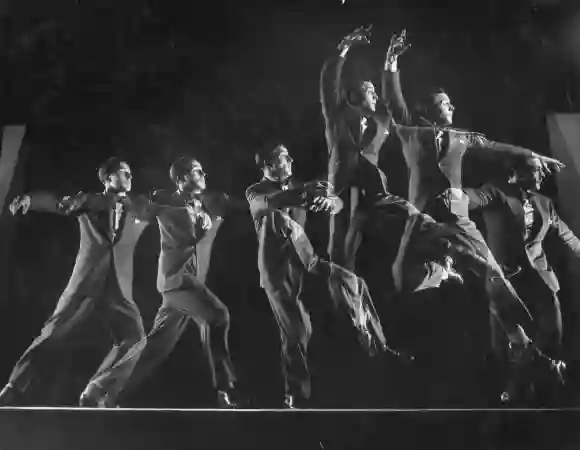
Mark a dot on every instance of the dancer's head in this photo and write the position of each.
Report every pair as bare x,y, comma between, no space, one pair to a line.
528,175
187,174
115,174
276,163
437,107
363,96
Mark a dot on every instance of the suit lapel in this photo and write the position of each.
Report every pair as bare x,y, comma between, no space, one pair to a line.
100,215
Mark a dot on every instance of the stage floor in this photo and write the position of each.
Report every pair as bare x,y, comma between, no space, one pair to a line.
175,429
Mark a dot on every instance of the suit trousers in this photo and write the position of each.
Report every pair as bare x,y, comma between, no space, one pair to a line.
193,300
414,271
282,281
123,320
368,190
544,306
295,332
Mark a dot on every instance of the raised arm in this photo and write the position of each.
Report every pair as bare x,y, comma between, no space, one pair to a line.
331,74
564,233
44,201
330,87
392,92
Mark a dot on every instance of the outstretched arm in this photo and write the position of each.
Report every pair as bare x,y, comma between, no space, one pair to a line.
392,92
479,141
44,201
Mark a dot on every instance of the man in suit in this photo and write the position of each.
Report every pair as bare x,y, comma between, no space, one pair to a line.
110,224
357,125
517,220
189,218
434,153
279,205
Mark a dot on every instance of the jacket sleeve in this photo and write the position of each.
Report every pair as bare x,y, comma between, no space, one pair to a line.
564,233
331,88
479,141
392,94
44,201
263,201
482,196
147,207
233,205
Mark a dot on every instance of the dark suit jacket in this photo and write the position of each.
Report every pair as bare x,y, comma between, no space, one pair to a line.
504,218
185,254
435,164
276,256
101,254
344,135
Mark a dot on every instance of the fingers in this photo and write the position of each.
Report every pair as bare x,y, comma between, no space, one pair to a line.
14,206
321,204
361,34
316,204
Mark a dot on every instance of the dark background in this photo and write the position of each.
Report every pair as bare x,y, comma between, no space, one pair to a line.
152,80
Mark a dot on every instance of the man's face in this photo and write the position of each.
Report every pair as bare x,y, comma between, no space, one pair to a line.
195,179
280,166
369,96
532,176
120,181
444,108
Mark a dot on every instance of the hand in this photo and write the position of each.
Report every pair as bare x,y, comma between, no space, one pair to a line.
204,221
22,202
322,204
360,35
550,165
397,46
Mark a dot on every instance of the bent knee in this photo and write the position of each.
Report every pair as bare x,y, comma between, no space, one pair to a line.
221,316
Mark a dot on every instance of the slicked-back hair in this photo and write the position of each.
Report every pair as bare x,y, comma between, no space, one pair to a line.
181,167
110,166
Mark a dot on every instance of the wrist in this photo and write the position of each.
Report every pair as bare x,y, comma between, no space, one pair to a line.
344,50
391,65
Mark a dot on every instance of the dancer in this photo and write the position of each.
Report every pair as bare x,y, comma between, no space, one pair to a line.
518,219
434,153
189,218
357,124
279,206
355,132
102,281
